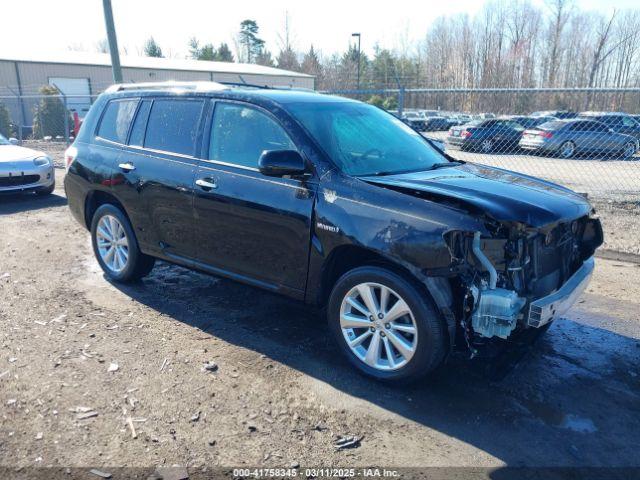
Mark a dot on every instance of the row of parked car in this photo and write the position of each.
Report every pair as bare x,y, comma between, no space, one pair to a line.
554,133
435,120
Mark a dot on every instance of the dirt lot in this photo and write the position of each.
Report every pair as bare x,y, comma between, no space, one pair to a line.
84,363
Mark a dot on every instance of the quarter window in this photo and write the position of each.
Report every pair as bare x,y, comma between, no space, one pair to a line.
115,122
173,126
240,134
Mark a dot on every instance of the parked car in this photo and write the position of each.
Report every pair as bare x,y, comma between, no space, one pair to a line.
335,203
616,121
415,120
25,170
484,116
487,135
567,138
435,123
530,122
561,114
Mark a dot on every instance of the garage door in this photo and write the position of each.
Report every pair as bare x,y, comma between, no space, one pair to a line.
78,93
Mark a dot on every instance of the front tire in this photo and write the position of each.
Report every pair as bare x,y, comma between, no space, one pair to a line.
385,326
487,146
47,190
115,246
628,151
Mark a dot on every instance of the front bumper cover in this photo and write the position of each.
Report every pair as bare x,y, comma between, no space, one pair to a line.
548,308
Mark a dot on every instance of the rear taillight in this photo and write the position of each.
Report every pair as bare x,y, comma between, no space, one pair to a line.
546,134
70,156
467,134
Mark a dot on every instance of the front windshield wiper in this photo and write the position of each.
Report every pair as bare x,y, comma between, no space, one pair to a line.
452,163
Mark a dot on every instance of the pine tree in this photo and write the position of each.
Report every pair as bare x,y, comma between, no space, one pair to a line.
248,38
224,54
152,49
265,58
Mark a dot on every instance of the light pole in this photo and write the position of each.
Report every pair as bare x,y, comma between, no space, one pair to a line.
113,42
358,35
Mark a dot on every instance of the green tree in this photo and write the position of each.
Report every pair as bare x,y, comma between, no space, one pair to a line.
264,58
224,53
288,59
206,52
390,103
49,114
311,65
248,38
152,49
376,100
5,121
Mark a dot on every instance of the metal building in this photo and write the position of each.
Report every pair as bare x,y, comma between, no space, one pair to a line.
81,76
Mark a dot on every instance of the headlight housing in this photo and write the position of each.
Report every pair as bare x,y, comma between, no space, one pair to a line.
42,161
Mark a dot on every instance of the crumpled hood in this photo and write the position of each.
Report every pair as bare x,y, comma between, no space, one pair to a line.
14,153
503,195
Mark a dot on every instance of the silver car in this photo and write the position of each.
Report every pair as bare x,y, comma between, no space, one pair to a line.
568,138
25,170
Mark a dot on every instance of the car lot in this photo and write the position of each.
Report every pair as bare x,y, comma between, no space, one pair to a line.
281,395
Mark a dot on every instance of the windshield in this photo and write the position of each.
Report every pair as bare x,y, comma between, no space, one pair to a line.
3,141
364,140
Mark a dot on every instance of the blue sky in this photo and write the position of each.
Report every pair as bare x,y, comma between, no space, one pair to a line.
327,24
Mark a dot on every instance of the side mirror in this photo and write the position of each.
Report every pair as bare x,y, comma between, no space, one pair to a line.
278,163
14,141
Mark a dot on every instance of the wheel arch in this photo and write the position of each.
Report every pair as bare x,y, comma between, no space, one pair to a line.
94,200
347,257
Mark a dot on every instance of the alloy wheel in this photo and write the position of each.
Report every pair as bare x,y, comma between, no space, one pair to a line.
378,326
486,146
629,150
567,149
112,242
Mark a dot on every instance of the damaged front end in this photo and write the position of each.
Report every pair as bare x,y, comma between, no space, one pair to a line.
520,277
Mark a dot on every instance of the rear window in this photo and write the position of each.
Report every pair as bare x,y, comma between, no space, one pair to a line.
173,126
552,125
116,120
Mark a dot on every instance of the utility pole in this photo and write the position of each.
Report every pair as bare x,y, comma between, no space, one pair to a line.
358,35
113,41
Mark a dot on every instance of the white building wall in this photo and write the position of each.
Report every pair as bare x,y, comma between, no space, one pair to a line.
34,75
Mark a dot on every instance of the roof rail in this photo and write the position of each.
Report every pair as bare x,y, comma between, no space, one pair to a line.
197,86
243,84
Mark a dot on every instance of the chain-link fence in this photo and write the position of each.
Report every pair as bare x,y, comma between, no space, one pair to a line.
585,139
544,133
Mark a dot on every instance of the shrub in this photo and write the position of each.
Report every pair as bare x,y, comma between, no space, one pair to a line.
49,114
5,121
376,100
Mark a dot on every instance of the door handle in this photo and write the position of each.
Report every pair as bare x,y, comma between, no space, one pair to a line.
206,184
127,167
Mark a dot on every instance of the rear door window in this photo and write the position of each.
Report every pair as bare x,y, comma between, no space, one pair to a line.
116,120
173,125
136,137
240,134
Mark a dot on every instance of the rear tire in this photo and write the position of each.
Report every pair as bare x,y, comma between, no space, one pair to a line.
116,247
399,342
567,149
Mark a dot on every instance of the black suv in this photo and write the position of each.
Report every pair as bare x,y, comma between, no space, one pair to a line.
334,203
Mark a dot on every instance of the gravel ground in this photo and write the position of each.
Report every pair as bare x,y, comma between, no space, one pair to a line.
103,375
